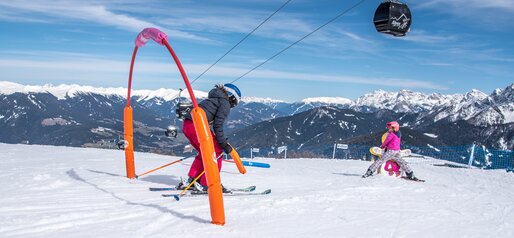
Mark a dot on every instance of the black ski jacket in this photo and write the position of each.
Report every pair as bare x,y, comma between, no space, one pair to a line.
217,108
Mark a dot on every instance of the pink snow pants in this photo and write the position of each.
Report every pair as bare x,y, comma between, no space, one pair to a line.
197,166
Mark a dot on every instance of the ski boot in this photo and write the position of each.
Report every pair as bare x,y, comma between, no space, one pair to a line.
183,184
368,173
411,176
225,190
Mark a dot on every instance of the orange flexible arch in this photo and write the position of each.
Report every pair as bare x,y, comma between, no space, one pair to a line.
200,123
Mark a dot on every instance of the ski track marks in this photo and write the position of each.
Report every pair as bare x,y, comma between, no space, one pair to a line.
73,192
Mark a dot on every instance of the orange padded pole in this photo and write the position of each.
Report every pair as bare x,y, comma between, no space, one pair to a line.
210,165
128,125
237,160
129,137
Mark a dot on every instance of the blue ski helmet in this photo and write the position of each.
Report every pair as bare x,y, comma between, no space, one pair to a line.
234,94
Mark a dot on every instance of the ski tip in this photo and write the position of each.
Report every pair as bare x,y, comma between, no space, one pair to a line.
176,197
267,191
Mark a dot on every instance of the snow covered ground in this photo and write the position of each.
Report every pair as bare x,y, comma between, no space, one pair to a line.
72,192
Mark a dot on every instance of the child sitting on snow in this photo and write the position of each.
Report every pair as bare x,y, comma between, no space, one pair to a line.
391,147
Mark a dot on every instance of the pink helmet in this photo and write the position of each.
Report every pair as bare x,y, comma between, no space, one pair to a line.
394,125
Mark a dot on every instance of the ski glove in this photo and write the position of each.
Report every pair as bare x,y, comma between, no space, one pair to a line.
227,148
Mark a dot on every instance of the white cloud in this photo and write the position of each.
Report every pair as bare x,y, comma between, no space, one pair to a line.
421,36
103,70
466,5
283,29
80,10
441,64
408,83
493,14
182,21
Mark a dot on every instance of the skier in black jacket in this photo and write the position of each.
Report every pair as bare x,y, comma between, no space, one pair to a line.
217,108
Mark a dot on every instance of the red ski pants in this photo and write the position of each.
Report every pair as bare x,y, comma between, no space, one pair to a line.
197,166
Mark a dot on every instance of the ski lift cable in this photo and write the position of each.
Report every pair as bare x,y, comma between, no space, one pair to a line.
301,39
241,41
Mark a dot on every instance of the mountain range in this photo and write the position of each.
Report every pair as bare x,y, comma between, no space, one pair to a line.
76,115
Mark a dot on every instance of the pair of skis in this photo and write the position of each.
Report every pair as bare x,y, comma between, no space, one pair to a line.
248,191
413,180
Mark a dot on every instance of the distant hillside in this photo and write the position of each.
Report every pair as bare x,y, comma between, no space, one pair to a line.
76,115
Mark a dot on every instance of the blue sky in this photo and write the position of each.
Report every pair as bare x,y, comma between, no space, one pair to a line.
454,46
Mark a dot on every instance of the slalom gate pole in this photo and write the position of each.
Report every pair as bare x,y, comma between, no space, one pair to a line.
164,166
128,128
210,165
199,120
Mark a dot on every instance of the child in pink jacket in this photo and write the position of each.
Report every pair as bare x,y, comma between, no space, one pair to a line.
391,147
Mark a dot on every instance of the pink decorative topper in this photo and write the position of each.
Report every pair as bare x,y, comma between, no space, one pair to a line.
150,33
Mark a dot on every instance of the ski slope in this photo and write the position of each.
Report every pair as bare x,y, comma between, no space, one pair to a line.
74,192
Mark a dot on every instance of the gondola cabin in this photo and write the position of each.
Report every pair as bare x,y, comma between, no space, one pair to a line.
393,17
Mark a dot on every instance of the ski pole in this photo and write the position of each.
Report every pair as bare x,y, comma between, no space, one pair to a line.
166,165
177,197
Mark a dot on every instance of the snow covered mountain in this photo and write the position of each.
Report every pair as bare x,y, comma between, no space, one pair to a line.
308,129
86,119
500,136
161,101
310,103
500,108
317,129
76,115
63,91
459,108
79,115
402,101
476,107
